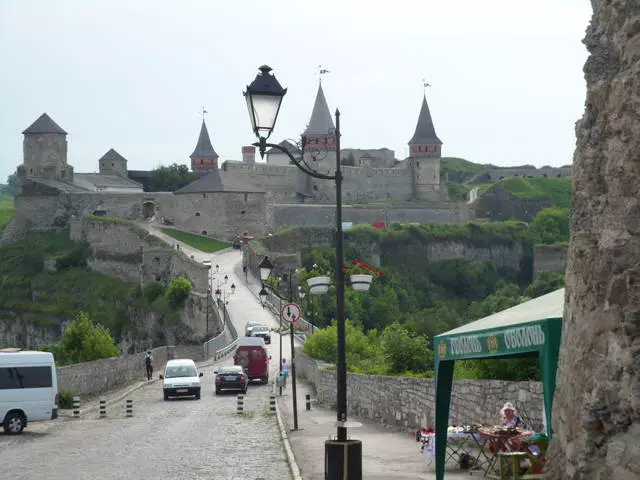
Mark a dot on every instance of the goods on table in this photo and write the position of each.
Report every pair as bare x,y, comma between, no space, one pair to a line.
500,431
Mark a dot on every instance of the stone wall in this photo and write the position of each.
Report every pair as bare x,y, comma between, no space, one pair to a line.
497,173
550,257
498,204
90,378
281,215
409,403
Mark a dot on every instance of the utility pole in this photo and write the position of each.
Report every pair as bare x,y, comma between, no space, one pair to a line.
293,359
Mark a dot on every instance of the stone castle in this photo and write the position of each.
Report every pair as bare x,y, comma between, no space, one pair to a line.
238,196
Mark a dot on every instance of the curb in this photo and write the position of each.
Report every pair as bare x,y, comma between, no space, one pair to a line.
115,399
291,459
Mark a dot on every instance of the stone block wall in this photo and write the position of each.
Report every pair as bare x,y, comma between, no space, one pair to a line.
409,403
91,378
550,257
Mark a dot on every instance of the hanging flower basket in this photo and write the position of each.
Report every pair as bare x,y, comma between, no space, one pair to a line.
318,284
361,282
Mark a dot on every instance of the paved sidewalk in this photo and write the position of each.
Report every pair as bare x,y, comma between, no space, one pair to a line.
386,453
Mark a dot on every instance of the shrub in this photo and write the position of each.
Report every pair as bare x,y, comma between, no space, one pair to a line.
66,399
178,292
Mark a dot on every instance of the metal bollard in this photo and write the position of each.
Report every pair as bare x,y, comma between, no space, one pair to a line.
103,408
272,404
308,399
76,407
240,408
129,407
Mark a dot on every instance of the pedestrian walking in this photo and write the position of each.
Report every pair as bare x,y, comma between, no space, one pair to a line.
148,362
285,372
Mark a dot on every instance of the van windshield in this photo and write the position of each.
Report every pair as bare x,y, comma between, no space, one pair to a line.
175,371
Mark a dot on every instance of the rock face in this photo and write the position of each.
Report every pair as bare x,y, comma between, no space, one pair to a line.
597,404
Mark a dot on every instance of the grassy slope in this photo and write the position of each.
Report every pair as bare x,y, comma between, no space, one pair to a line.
6,209
558,190
461,166
204,244
39,296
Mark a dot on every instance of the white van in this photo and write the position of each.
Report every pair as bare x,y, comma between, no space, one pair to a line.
181,378
28,388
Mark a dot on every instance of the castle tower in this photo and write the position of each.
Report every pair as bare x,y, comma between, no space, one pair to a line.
204,157
249,154
425,142
425,151
320,130
45,151
113,163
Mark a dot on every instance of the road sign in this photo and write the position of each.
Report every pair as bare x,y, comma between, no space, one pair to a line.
290,312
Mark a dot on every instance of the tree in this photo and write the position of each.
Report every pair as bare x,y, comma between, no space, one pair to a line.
178,292
551,225
403,352
350,161
13,185
545,282
84,341
170,179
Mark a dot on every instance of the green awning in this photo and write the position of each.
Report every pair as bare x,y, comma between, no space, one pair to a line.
531,327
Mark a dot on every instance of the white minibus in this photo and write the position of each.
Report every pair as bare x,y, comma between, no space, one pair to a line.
28,388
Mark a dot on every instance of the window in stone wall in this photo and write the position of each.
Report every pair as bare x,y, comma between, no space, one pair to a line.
242,212
246,197
197,214
158,278
204,232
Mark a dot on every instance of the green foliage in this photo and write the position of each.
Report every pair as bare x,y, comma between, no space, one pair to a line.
545,282
198,242
557,190
13,185
76,258
153,290
404,352
350,161
458,192
178,292
551,225
84,341
170,179
66,399
6,209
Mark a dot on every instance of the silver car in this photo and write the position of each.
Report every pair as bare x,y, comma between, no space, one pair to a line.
248,329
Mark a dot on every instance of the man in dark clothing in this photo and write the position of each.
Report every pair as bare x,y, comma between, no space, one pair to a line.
148,359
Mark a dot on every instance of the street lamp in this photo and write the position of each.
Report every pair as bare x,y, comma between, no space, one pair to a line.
265,267
342,456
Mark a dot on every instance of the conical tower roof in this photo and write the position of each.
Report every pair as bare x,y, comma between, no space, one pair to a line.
44,124
321,122
112,156
204,149
425,132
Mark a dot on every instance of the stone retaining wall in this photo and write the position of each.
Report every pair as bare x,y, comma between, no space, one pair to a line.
409,403
90,378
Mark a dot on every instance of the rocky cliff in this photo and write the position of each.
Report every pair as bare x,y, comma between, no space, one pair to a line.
597,402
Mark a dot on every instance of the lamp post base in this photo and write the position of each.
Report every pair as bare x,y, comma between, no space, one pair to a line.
343,460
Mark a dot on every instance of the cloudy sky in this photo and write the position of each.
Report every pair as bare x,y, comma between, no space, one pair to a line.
506,75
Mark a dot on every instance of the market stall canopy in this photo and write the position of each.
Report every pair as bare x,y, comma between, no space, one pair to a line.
532,327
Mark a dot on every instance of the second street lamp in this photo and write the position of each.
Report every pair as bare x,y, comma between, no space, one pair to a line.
343,457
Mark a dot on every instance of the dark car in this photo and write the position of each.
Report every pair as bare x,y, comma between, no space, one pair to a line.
236,244
231,377
263,332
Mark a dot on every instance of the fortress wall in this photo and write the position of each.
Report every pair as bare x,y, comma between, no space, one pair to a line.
550,257
550,172
223,215
280,180
282,215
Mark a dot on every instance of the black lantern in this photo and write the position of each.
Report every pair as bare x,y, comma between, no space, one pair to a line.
265,268
264,97
233,288
226,278
263,295
218,293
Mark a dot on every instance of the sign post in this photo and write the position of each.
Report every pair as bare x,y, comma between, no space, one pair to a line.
291,312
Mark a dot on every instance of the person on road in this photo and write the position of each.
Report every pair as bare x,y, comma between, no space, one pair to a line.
285,372
148,362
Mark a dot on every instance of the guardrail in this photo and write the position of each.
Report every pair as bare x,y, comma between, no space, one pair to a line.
223,343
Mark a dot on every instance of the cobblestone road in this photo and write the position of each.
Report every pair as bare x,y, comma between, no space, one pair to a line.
180,439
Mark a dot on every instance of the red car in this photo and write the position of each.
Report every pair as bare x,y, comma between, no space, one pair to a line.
253,357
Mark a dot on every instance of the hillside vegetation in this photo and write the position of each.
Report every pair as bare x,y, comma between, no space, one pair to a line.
43,297
463,169
558,190
6,209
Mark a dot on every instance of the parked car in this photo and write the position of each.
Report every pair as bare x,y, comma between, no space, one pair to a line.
248,328
262,331
236,244
181,378
206,263
252,356
231,377
28,389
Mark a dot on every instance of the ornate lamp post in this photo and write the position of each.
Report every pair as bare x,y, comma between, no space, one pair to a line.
343,457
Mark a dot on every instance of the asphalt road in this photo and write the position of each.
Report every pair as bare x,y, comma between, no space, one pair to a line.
178,439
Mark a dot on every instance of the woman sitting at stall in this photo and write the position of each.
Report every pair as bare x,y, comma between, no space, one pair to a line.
509,417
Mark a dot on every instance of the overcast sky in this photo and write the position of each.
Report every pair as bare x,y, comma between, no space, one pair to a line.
506,75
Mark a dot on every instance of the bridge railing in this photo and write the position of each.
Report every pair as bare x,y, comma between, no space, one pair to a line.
223,343
302,328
